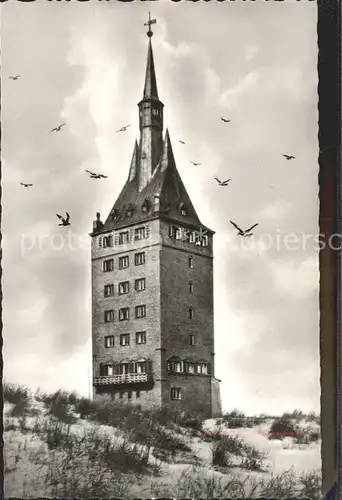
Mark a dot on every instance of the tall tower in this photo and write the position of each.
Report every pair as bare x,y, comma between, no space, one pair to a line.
152,281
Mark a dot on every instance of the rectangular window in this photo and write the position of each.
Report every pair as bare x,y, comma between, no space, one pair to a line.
139,258
205,241
108,265
140,284
190,236
108,370
124,314
109,341
140,311
109,316
107,241
123,287
124,339
202,368
124,262
140,367
191,313
108,290
175,232
178,366
192,339
140,338
191,287
191,262
129,395
137,394
190,368
123,237
140,233
100,241
176,393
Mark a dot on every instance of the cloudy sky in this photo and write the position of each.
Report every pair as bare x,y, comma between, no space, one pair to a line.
84,64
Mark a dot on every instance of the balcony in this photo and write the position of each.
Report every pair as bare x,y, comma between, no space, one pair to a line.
129,378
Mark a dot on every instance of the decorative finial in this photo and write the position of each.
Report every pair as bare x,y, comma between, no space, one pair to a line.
149,23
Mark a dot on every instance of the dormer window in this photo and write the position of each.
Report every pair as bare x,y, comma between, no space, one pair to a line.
183,210
129,211
114,214
146,206
143,155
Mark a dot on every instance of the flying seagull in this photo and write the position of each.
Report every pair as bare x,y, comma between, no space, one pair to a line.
14,77
65,222
289,157
26,185
58,129
245,233
123,129
93,175
225,120
222,183
182,142
195,163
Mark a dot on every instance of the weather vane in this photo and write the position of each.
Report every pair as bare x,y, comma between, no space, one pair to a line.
149,23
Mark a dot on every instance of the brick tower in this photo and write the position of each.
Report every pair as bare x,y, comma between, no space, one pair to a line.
152,281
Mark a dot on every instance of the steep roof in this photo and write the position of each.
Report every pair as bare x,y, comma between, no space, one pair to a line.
150,89
165,183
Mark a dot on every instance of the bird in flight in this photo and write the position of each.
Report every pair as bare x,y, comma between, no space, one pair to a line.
245,233
93,175
194,163
58,129
123,129
65,221
225,120
289,157
222,183
14,77
26,185
182,142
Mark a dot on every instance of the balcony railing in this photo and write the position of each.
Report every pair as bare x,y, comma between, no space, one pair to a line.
129,378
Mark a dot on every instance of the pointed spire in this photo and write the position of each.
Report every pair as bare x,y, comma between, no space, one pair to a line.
150,89
167,157
134,162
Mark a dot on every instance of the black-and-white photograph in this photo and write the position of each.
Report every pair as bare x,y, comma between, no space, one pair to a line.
160,249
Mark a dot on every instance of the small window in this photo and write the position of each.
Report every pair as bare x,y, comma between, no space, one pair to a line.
108,290
191,262
190,368
109,341
175,232
124,262
123,237
146,206
121,395
191,313
129,395
192,339
202,368
190,236
176,393
205,241
137,394
123,287
124,314
107,241
140,233
175,365
140,367
140,338
108,265
139,258
109,316
100,241
124,339
183,210
106,371
114,215
140,311
191,287
140,284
